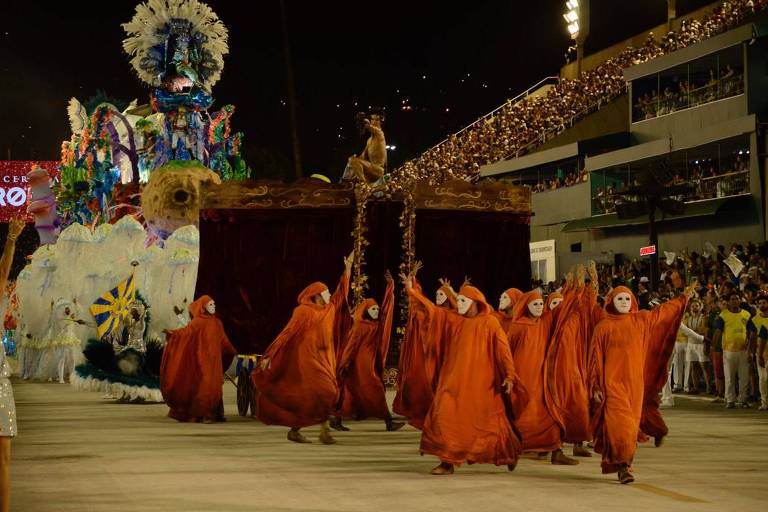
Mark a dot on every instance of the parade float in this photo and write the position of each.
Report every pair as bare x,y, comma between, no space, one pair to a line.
137,181
120,221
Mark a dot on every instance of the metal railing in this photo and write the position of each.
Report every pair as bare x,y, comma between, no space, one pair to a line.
543,137
522,96
674,102
713,187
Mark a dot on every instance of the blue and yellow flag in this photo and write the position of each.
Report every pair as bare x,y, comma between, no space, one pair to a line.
113,306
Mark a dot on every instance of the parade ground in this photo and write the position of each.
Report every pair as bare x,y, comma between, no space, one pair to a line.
78,452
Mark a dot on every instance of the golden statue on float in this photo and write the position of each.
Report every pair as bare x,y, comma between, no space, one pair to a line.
369,167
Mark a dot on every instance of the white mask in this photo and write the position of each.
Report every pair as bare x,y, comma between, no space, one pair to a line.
211,308
536,308
373,311
504,301
440,297
326,295
555,303
463,304
622,303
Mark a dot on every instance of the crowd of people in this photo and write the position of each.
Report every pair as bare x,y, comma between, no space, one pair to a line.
712,350
556,182
705,180
518,127
683,94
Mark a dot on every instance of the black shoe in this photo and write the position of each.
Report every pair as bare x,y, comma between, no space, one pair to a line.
335,424
625,475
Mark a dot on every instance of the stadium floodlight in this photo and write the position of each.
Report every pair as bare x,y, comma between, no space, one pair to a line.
572,17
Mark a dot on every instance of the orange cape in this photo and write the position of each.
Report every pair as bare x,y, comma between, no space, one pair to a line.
566,364
299,388
192,368
627,364
361,366
471,417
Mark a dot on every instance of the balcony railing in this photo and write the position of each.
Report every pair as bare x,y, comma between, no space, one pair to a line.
673,102
724,185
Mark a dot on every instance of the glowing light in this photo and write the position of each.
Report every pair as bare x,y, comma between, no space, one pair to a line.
572,17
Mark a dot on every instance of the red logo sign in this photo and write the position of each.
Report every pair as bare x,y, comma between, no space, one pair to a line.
14,189
647,251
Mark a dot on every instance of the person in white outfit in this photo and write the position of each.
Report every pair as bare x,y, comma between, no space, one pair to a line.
697,359
681,370
731,328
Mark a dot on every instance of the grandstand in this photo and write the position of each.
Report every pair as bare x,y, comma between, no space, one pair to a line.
688,106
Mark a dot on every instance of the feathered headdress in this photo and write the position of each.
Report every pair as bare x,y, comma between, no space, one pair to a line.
152,26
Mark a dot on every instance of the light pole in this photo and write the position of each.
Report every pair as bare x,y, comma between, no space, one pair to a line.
577,17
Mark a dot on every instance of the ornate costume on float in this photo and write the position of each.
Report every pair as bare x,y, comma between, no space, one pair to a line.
123,363
60,348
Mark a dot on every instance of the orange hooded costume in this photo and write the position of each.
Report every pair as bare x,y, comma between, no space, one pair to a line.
471,418
628,358
540,424
361,366
566,364
299,387
193,364
505,319
419,356
551,297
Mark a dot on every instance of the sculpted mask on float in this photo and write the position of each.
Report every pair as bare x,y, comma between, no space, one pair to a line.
440,297
555,302
504,301
373,311
463,304
536,308
326,295
622,303
211,308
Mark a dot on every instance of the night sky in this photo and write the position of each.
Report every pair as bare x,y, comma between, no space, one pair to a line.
450,63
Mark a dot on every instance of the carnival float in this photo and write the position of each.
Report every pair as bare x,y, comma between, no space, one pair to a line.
155,207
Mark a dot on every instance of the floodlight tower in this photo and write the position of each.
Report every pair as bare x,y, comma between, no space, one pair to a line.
577,17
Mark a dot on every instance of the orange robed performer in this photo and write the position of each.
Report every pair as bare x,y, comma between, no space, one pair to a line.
619,363
470,420
507,303
529,336
192,368
418,356
566,363
296,381
361,367
553,300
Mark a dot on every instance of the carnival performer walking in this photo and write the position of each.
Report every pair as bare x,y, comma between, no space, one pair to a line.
418,354
361,366
192,368
296,382
529,339
478,392
629,353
